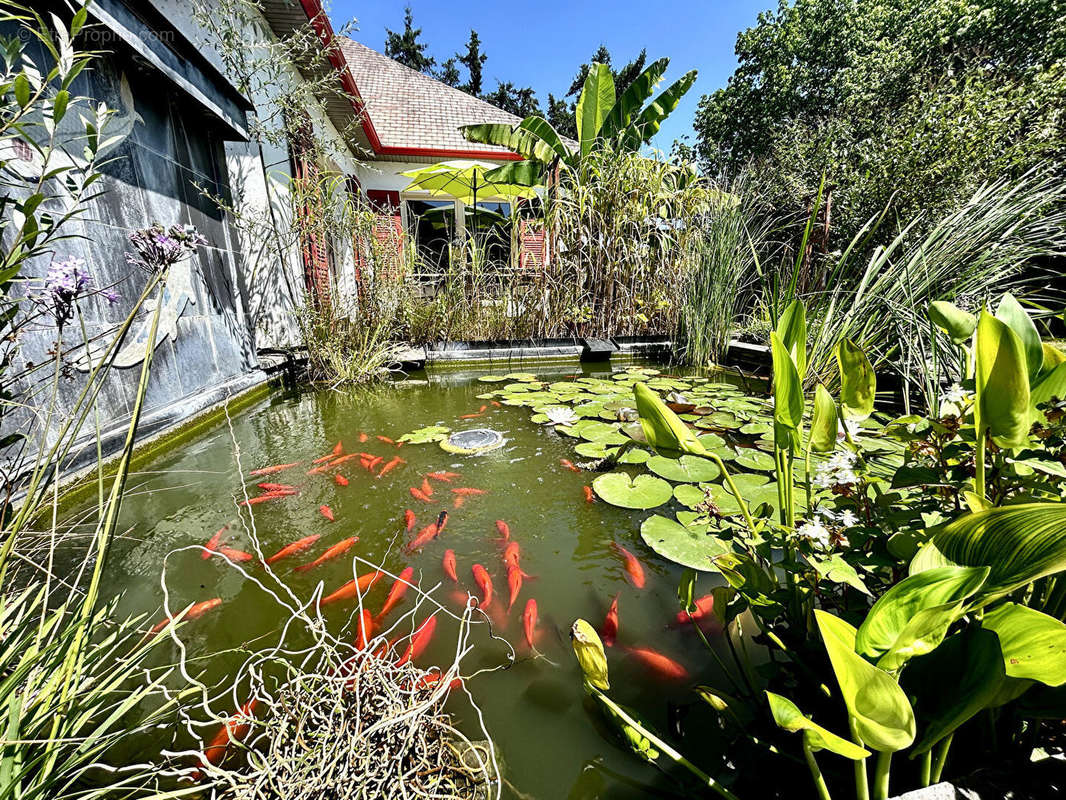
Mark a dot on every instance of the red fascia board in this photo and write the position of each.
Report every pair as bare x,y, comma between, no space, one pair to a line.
316,15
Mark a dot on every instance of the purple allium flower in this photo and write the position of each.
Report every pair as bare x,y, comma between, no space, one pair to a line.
65,282
156,248
110,295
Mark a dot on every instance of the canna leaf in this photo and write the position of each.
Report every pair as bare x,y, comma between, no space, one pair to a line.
1033,643
958,324
788,391
788,716
792,330
662,428
858,383
913,617
1011,313
883,717
1051,385
823,434
1002,403
1019,544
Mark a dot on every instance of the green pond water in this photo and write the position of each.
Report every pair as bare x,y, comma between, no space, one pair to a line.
553,744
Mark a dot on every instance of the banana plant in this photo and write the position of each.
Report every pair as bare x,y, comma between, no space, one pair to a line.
624,121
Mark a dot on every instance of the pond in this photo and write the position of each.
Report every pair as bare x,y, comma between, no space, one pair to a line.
551,743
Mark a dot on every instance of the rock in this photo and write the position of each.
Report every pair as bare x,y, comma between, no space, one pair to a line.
938,791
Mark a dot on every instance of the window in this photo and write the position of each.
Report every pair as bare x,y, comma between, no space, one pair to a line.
431,226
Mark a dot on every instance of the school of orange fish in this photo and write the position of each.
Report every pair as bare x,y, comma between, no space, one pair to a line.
238,725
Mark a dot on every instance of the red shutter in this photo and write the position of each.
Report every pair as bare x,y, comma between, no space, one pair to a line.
315,251
388,228
531,243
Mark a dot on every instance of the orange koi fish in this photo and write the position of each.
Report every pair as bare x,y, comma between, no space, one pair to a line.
427,490
511,554
482,410
419,640
234,555
662,665
409,519
442,520
386,440
352,588
340,548
320,469
296,547
425,536
418,494
276,487
327,457
634,569
514,583
213,542
262,498
448,563
193,611
529,621
484,582
344,459
465,491
469,416
589,496
433,677
326,512
395,462
396,593
372,464
340,480
363,437
570,465
443,476
338,448
459,502
233,729
504,529
364,630
273,469
496,403
610,624
704,606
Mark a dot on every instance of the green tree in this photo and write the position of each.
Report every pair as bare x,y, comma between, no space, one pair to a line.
449,73
520,102
916,101
406,48
474,60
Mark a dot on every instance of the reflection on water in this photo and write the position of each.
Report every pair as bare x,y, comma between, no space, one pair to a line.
551,744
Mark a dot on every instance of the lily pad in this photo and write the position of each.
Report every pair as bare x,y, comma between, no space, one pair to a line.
756,460
746,481
755,428
492,378
686,469
634,455
526,377
433,433
602,432
594,450
712,441
691,496
643,491
691,546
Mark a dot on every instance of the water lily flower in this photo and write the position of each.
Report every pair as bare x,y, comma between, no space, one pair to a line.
814,532
560,415
956,396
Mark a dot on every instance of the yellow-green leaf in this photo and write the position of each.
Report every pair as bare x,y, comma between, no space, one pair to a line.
823,435
788,716
589,651
1033,644
958,324
792,331
858,383
663,429
1002,407
1011,313
788,390
884,719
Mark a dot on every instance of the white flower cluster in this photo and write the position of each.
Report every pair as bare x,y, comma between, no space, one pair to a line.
816,530
956,395
839,469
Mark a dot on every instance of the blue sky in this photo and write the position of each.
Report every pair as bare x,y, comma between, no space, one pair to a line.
541,44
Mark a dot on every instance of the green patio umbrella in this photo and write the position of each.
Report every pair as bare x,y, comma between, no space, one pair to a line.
464,181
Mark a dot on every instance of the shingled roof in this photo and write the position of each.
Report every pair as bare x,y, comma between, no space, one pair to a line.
414,114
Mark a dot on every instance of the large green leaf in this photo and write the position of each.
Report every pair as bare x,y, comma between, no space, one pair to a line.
881,711
1051,385
534,138
954,682
792,331
1014,316
788,716
788,389
1033,644
593,105
689,546
663,429
913,617
518,173
632,99
1019,544
643,491
823,434
1002,407
958,324
858,383
647,124
686,469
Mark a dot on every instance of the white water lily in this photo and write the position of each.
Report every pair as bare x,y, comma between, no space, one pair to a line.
560,415
814,532
839,469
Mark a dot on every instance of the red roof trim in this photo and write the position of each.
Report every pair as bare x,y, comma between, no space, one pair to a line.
316,15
